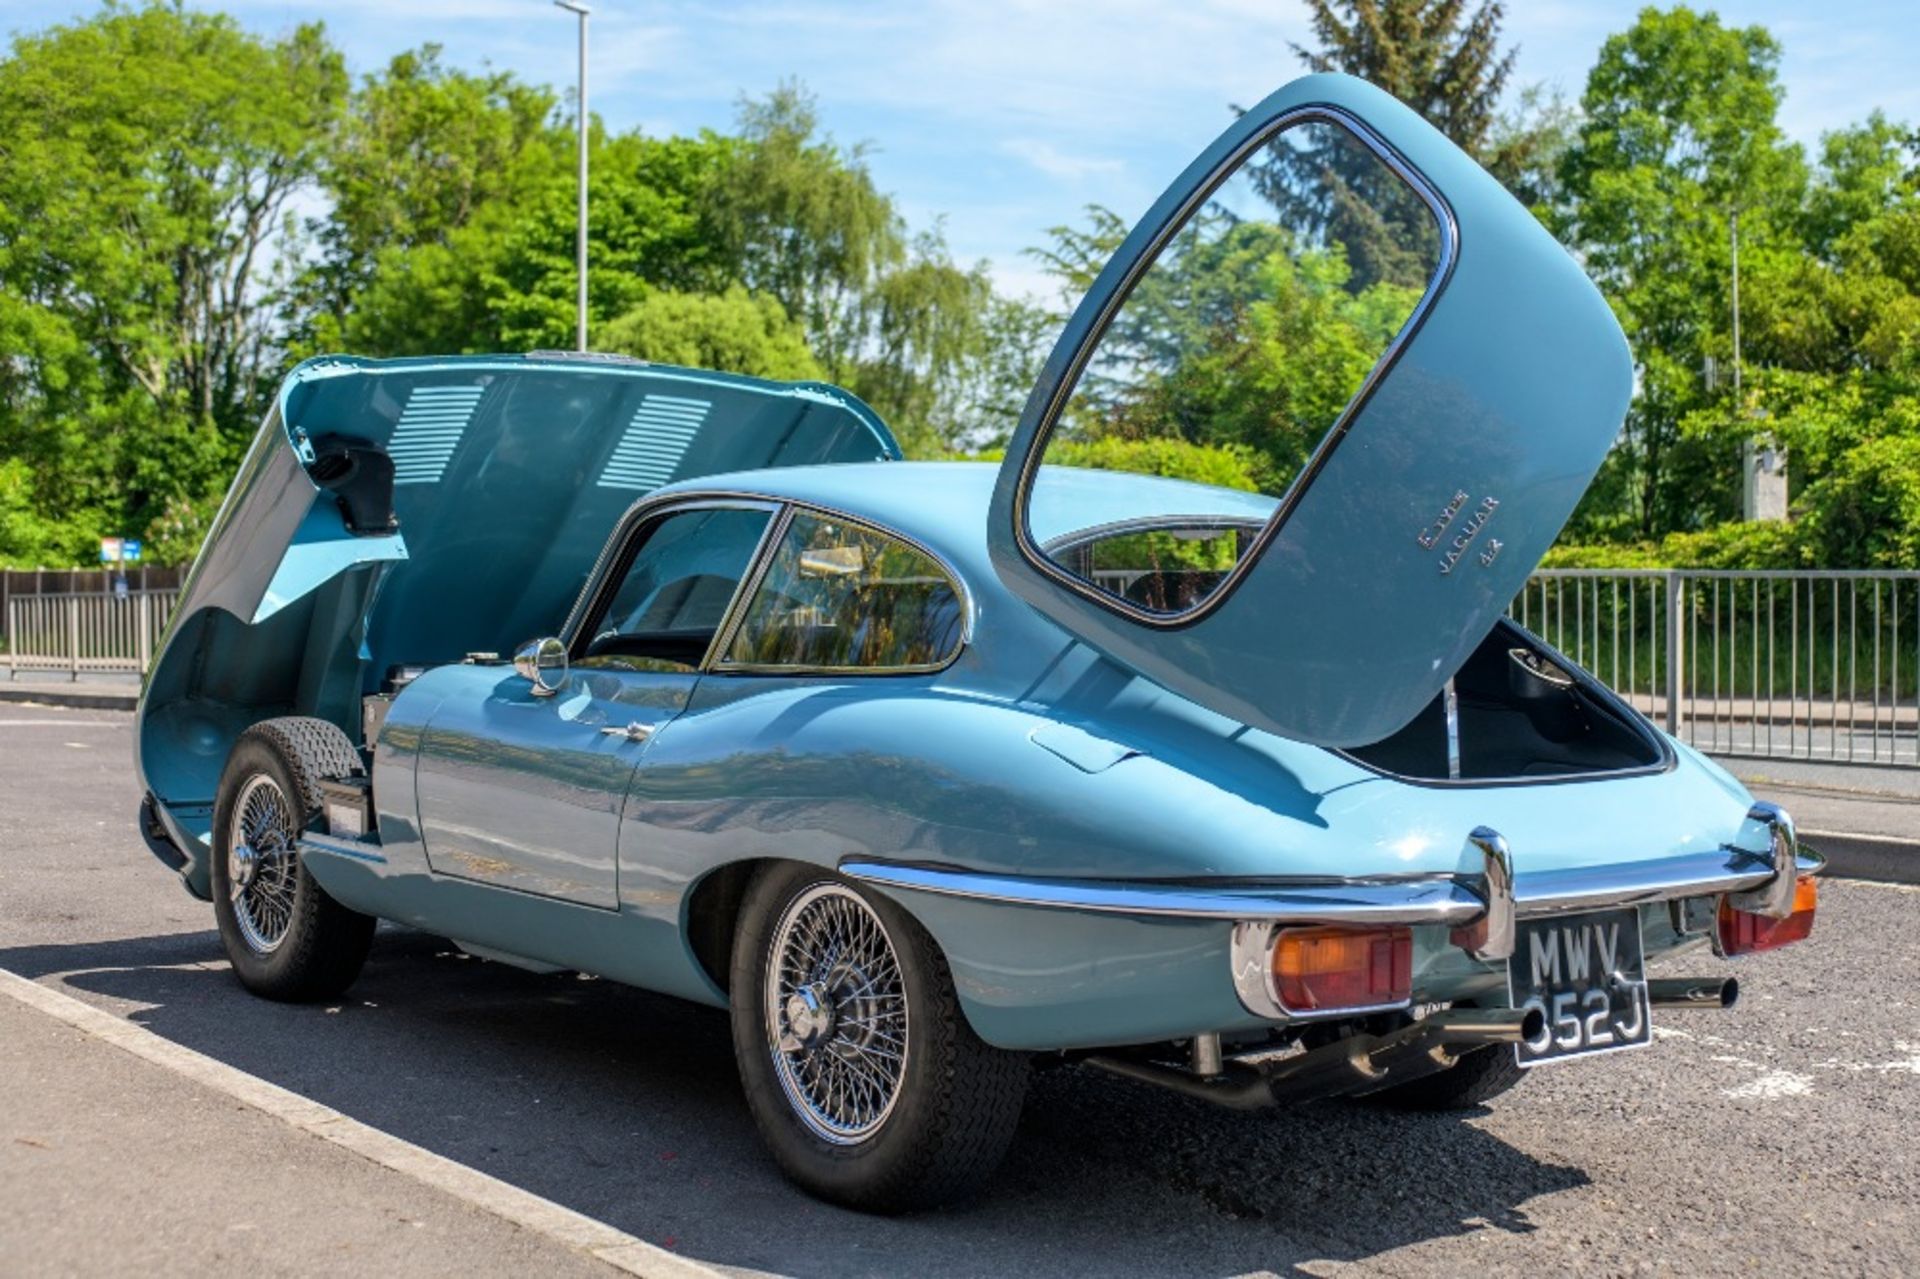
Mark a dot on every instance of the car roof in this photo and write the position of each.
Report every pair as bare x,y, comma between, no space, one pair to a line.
944,504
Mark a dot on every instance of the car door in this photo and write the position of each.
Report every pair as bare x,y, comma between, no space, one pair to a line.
524,789
1392,384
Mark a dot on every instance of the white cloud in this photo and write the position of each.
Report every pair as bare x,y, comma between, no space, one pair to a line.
1054,162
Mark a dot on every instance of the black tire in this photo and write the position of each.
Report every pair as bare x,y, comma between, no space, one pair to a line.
322,945
1477,1078
957,1099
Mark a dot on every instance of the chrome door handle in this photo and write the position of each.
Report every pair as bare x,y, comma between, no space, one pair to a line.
635,732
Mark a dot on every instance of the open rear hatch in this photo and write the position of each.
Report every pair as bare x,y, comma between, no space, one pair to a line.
1336,305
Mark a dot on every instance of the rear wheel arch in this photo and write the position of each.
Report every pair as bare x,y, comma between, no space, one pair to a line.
882,1139
713,915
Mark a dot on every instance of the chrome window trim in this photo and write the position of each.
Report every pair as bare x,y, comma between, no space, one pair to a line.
736,616
718,666
1449,229
654,504
596,594
1077,538
605,582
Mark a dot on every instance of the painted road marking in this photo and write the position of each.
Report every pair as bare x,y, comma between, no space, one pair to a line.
62,723
509,1202
1813,836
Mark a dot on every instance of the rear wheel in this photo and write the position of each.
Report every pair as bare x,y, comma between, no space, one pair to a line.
862,1073
1477,1078
284,936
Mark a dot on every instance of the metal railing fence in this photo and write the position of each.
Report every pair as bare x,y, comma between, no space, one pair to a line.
1813,665
85,632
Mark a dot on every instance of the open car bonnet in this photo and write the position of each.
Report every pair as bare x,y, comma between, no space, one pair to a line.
407,512
1491,382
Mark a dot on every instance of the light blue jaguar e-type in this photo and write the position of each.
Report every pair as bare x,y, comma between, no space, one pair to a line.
929,771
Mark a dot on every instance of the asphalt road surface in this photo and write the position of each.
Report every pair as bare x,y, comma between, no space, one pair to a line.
1775,1138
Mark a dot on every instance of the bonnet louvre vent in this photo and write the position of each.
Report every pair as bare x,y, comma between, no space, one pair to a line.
429,430
654,442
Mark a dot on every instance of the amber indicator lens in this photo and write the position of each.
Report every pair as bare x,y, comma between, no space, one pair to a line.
1743,932
1319,969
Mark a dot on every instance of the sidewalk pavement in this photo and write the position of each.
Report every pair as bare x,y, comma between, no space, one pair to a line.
1866,820
84,694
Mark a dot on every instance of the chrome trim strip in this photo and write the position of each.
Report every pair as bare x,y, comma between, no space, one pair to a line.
1075,539
1438,899
1494,932
354,849
757,569
1250,952
1774,898
1449,229
1450,700
1250,959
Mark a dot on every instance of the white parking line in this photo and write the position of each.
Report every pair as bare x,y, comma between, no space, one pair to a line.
1814,836
61,723
521,1207
1880,884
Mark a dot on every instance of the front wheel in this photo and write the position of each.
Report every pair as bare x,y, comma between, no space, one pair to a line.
285,937
860,1069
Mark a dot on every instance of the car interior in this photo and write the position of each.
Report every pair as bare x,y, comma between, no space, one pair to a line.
1521,714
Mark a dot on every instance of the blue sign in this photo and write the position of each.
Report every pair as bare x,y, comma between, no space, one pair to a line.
129,551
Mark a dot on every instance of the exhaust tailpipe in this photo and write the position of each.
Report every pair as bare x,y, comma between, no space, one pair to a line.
1356,1064
1693,992
1472,1027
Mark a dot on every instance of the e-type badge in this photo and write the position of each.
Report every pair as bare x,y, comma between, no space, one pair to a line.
1433,534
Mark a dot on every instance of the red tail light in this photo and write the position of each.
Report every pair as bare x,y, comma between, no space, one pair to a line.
1327,969
1743,932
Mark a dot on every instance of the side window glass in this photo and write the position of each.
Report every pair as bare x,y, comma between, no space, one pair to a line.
841,596
676,589
1233,356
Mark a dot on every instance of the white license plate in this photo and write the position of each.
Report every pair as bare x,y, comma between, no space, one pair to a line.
1587,974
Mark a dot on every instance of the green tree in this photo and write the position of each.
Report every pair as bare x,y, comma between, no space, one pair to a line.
734,330
452,217
1442,60
1678,136
148,160
421,152
888,314
1433,55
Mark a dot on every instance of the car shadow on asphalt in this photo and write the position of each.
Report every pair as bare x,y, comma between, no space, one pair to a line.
625,1105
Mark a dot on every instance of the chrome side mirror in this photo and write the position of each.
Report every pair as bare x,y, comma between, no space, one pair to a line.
542,663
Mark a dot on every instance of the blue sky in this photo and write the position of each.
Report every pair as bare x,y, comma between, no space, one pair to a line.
1006,118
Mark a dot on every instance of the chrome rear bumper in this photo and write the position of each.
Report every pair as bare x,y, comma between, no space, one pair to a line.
1481,908
1497,894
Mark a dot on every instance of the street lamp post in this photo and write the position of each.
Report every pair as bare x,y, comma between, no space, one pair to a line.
580,233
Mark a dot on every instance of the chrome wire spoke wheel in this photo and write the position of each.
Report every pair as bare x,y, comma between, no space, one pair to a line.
836,1009
263,866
